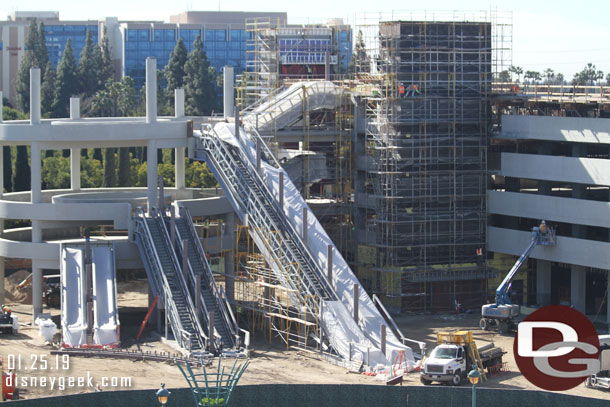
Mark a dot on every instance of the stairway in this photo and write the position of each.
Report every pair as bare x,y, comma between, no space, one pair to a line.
166,279
211,297
285,250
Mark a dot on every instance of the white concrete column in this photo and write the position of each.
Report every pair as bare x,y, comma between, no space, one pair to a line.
75,169
151,90
228,257
151,179
543,282
179,103
1,105
179,167
227,91
1,171
74,108
35,166
34,95
578,288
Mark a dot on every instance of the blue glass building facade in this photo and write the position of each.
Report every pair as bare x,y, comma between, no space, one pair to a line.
56,37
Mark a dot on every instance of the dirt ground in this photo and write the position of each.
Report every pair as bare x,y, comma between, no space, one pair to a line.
269,363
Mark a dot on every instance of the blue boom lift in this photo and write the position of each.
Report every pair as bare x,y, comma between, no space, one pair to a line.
501,314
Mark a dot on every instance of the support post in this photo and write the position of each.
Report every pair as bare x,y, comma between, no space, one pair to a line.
166,315
178,103
578,287
281,192
258,155
161,195
35,166
34,95
198,293
356,303
229,260
151,90
327,67
1,105
608,303
179,168
543,282
383,338
211,330
305,226
228,96
151,179
172,225
329,270
237,135
75,168
185,258
74,108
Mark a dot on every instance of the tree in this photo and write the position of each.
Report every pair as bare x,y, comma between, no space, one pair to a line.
32,42
533,75
504,76
549,75
517,70
22,170
174,71
588,76
66,82
47,92
42,53
199,82
109,168
22,86
89,67
559,79
116,99
107,68
7,165
124,167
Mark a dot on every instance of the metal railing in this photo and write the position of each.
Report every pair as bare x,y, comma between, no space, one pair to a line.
397,331
211,283
150,257
183,285
258,215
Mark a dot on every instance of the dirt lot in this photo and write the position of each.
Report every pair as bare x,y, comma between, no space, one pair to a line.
269,364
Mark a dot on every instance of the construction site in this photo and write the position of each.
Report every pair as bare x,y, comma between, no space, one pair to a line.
362,218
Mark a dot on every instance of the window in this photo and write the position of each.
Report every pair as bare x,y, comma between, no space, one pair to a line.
142,35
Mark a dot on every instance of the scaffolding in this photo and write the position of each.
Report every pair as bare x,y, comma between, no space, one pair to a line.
267,305
426,144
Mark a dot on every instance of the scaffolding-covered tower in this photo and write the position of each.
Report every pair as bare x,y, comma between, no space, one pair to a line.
426,143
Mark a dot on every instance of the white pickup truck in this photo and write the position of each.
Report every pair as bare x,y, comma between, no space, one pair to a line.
451,363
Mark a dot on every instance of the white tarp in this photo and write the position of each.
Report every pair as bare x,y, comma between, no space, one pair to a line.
104,296
74,291
73,305
370,320
286,107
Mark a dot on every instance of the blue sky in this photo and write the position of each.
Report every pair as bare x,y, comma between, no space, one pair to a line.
562,35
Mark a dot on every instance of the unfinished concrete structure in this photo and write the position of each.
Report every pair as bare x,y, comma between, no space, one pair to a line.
545,164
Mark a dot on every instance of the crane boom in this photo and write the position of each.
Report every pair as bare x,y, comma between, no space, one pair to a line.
502,290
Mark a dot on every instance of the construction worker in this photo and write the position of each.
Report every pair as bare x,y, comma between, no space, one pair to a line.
543,228
412,90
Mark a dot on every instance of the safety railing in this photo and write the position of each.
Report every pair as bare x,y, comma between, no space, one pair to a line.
183,285
145,240
210,282
260,216
397,331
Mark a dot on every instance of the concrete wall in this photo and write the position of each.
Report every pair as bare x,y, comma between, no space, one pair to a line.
533,206
592,171
552,128
301,395
569,250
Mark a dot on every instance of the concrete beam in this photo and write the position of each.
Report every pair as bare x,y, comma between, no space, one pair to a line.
592,171
552,128
558,209
75,169
582,252
151,90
